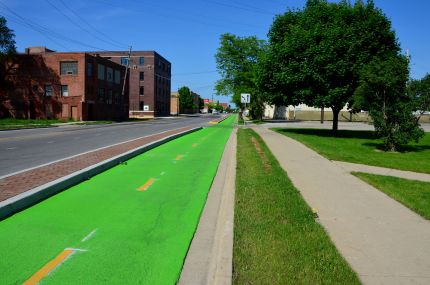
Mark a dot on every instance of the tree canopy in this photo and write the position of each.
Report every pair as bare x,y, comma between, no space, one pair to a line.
7,50
236,60
185,99
315,55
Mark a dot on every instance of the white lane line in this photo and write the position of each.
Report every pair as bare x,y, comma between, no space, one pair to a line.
88,236
76,249
51,142
10,148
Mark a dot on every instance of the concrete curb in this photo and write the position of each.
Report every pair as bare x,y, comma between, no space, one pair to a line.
24,200
210,257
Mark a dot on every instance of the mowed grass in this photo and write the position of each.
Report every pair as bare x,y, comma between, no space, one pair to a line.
413,194
276,238
363,147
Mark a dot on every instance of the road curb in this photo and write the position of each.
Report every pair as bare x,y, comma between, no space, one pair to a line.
210,257
24,200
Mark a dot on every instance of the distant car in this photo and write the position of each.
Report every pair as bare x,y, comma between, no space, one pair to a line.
215,112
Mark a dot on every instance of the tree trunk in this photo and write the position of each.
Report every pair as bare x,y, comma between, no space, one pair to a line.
335,119
322,115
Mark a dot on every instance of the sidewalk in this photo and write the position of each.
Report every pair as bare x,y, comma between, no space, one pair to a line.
356,167
383,241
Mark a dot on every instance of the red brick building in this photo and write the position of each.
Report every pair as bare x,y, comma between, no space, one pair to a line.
77,85
149,82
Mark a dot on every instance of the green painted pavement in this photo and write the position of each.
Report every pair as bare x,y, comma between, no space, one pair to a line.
129,236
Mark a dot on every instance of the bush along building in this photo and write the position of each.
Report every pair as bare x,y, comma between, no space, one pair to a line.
65,85
149,83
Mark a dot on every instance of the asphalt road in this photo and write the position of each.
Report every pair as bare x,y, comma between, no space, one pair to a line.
23,149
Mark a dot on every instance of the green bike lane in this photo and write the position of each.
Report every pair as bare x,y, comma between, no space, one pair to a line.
131,224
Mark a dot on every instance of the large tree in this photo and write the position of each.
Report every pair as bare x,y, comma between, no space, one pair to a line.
7,50
236,60
316,54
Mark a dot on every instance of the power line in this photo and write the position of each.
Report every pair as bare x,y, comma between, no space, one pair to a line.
80,26
46,31
192,73
113,41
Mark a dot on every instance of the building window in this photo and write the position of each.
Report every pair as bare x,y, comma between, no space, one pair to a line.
109,74
89,68
117,77
101,72
64,90
141,60
68,67
48,90
141,105
109,98
101,94
141,91
141,76
124,60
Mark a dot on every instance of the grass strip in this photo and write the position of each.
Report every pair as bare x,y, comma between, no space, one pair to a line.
362,147
276,238
413,194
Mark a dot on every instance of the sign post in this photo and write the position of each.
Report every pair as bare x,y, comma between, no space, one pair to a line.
245,98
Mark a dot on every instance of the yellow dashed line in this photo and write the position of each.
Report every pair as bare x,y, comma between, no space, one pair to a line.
146,185
179,157
194,145
45,270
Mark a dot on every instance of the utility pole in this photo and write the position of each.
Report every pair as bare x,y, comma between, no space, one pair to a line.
125,76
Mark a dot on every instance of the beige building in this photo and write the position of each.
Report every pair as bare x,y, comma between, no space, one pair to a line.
306,113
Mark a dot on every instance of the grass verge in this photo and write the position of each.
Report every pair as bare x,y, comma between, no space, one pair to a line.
8,123
362,147
413,194
276,238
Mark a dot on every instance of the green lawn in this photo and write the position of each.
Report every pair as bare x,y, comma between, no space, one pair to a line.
411,193
9,123
276,238
362,147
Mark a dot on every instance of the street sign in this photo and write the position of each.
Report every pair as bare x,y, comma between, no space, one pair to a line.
245,98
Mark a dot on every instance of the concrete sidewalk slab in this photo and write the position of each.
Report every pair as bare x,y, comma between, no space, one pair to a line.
350,167
383,241
210,257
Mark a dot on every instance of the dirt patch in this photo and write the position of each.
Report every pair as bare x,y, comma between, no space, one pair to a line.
266,164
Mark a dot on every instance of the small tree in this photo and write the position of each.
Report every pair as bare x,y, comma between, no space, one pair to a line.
185,99
382,91
419,90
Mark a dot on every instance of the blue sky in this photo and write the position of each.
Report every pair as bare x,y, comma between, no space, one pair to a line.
185,32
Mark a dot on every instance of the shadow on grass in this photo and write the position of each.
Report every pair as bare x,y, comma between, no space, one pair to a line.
330,133
403,149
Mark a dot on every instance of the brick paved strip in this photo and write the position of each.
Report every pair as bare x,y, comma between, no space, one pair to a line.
23,182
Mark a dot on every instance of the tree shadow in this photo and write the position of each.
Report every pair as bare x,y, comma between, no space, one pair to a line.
25,98
330,133
402,149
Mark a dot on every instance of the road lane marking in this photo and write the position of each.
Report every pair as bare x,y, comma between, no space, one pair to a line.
194,145
11,148
88,236
51,142
50,266
146,185
179,157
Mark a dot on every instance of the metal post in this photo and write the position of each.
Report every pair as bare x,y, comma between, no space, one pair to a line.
125,76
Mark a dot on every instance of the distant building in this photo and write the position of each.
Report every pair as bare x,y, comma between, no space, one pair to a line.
76,85
174,103
149,82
